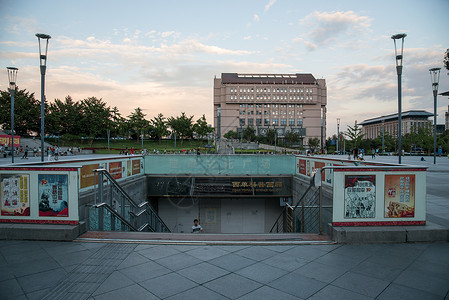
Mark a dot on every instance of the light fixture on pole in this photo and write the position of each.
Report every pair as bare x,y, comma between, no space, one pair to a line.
383,136
12,77
338,135
43,67
399,52
435,78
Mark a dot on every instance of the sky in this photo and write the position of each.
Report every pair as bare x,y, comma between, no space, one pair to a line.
162,56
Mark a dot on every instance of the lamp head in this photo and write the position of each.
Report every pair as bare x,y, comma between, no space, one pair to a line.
399,51
435,78
12,77
43,55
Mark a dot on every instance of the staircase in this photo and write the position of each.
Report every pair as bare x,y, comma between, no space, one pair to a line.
115,210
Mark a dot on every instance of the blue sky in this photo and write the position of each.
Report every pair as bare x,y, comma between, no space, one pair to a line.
162,56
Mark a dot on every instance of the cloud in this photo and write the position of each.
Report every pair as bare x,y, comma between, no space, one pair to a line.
269,5
325,28
256,18
167,33
247,37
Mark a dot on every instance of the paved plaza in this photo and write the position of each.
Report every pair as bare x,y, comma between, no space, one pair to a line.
92,270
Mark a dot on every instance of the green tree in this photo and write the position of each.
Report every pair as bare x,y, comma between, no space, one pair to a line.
355,135
64,117
201,127
270,135
292,137
26,112
137,123
231,134
182,126
248,134
159,127
314,143
446,59
96,117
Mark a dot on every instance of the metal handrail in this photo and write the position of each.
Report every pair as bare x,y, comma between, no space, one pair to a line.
112,211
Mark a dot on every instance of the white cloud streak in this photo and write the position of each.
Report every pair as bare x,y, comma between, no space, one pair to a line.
269,5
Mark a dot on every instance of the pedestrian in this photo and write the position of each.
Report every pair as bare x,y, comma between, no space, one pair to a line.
198,152
25,154
196,228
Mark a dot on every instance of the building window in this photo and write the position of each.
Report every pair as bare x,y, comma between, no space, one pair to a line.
283,122
242,122
299,122
267,121
250,122
275,122
258,122
291,122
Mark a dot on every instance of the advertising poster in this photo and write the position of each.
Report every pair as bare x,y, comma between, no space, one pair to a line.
115,169
129,168
360,196
320,165
302,166
399,196
6,140
88,177
53,195
14,194
136,166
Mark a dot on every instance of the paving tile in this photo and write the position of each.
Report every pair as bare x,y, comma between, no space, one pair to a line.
207,252
331,292
355,250
9,289
38,281
22,247
436,253
28,256
256,253
197,293
65,249
261,272
435,270
401,292
179,261
297,285
33,267
361,284
285,262
115,281
73,258
37,295
305,252
133,259
424,281
267,293
158,252
183,248
141,247
377,271
232,285
232,262
203,272
167,285
279,248
144,271
339,261
132,292
392,261
233,248
6,272
320,272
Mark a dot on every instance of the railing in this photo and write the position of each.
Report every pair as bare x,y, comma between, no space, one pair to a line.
306,215
116,210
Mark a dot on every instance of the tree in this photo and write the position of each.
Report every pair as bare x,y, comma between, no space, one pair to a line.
201,128
96,117
292,137
355,134
270,134
182,126
26,112
231,134
314,143
159,127
248,134
64,117
446,59
137,123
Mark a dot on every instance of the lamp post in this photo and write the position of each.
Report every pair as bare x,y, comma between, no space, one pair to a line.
12,76
338,135
399,56
435,78
383,136
43,67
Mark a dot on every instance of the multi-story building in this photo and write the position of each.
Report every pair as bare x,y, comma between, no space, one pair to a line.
284,102
412,120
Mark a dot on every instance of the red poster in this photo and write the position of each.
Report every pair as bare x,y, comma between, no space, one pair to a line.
399,196
136,167
320,165
302,166
115,169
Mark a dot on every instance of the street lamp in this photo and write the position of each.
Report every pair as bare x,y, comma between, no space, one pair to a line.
338,135
383,136
435,78
43,67
12,76
399,56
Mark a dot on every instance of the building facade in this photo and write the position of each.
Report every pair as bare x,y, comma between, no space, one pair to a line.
446,119
411,121
284,102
